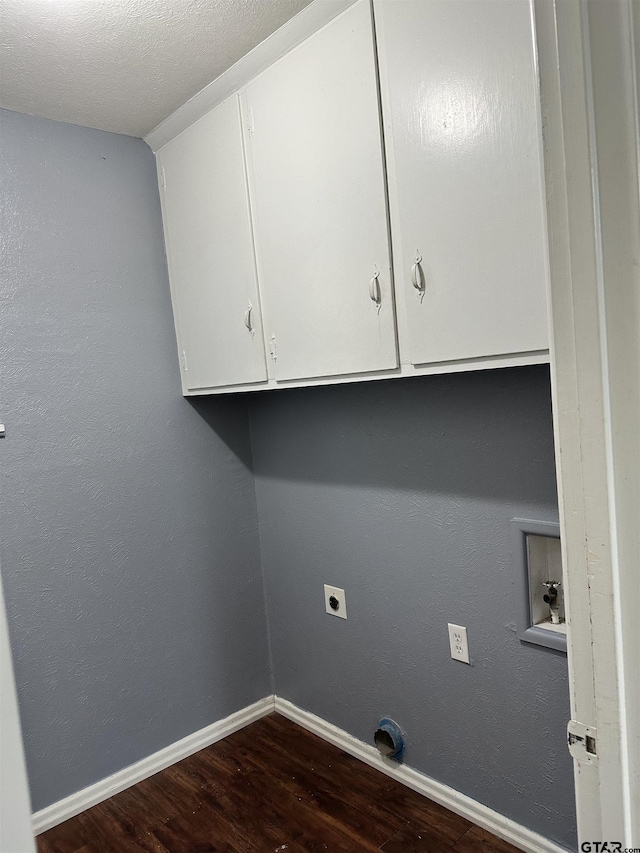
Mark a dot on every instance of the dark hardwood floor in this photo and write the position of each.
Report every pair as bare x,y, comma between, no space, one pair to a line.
270,788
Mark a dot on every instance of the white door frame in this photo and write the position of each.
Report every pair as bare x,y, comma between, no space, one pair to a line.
16,834
588,51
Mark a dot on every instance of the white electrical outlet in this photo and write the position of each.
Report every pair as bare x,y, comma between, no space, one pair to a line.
458,643
335,601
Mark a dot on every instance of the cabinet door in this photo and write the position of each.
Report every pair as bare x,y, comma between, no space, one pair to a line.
210,252
460,105
319,205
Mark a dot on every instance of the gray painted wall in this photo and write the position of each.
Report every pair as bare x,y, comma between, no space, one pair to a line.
402,492
129,543
128,533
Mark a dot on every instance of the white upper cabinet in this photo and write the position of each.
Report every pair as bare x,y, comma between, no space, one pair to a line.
318,196
275,201
460,106
210,253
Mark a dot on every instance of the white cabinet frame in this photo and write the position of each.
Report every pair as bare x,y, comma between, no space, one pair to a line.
463,137
210,253
284,40
318,199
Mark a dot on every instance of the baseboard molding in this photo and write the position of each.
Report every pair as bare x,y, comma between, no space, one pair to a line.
74,804
493,821
448,797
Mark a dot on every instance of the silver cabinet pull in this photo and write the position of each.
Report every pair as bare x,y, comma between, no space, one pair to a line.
375,291
247,318
417,275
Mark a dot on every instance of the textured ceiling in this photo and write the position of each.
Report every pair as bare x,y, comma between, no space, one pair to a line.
124,65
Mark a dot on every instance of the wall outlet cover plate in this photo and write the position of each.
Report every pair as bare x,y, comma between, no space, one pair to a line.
458,643
335,601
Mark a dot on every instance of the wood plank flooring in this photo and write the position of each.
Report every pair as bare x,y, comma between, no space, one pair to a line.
270,788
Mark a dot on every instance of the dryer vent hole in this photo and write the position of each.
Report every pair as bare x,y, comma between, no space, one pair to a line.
389,740
384,742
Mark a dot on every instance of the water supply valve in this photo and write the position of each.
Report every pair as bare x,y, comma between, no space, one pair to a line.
551,597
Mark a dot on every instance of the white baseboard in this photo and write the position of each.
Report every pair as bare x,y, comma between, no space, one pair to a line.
448,797
74,804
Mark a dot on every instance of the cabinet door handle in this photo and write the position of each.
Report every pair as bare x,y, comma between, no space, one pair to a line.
247,318
417,275
374,288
